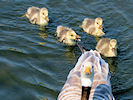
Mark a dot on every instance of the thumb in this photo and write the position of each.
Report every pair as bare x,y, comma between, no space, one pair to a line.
96,65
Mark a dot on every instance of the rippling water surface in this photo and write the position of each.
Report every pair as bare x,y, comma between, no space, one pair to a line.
34,65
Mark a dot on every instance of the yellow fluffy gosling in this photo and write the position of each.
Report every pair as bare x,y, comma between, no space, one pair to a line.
93,26
107,47
67,35
37,15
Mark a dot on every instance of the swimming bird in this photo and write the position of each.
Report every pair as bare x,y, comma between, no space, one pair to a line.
93,26
80,76
37,15
67,35
107,47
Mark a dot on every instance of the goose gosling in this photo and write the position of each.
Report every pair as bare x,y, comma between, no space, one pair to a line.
67,35
107,47
93,26
37,15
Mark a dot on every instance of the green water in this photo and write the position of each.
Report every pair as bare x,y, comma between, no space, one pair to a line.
34,65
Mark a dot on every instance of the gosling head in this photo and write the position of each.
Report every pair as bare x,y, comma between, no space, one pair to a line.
44,14
99,22
113,44
87,74
72,35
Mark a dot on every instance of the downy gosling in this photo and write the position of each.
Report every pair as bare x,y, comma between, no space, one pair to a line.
93,26
37,15
67,35
107,47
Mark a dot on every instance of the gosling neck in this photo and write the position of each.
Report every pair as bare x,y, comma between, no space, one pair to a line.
43,21
70,42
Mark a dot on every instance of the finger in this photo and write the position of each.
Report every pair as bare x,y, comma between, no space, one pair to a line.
97,66
105,68
97,54
82,58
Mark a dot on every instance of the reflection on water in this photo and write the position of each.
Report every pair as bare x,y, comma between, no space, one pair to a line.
13,49
70,55
43,35
42,43
44,98
112,64
34,65
42,28
98,38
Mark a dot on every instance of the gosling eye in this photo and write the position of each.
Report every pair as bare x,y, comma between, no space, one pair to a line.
72,35
43,13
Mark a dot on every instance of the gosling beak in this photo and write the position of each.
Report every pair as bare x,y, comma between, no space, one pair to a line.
24,15
47,18
113,49
87,70
78,37
100,27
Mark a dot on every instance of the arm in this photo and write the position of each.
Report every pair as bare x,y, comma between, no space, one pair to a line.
72,89
101,87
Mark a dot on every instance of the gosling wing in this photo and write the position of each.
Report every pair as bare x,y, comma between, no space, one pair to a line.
32,11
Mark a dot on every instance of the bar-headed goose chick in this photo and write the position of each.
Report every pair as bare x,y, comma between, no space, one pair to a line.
107,47
93,26
37,15
67,35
